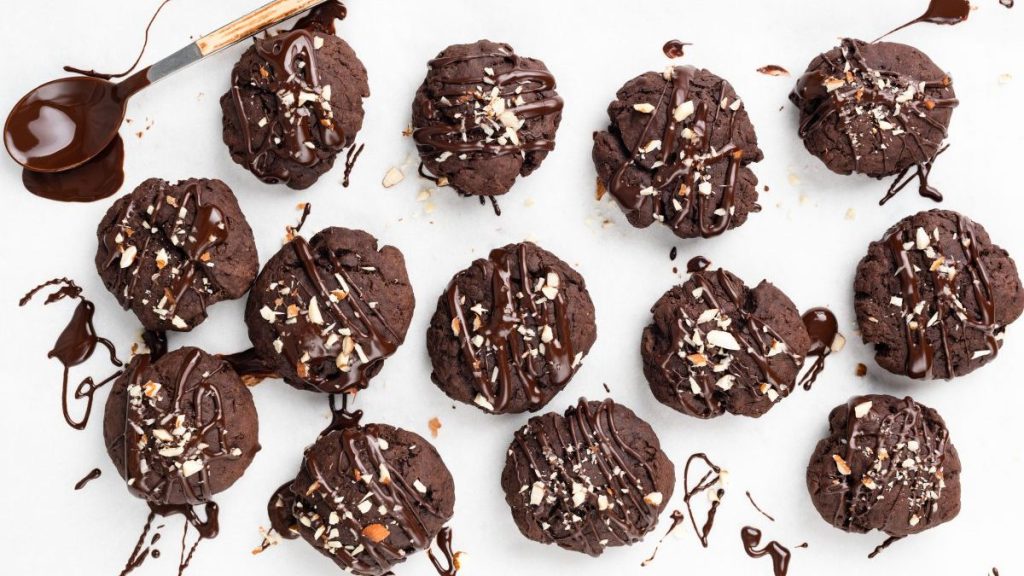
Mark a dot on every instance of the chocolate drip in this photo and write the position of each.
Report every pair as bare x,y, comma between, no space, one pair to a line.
753,335
886,437
758,508
675,48
324,359
75,345
156,341
921,172
773,70
823,328
145,43
508,96
697,264
889,542
94,474
780,554
525,338
300,126
854,85
946,12
677,518
354,151
685,158
250,366
592,439
167,228
945,304
711,480
98,178
140,554
444,542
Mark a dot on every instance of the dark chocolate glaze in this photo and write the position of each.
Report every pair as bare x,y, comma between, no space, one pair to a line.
677,518
250,366
98,178
447,565
947,12
697,264
140,554
445,138
75,345
628,517
675,48
208,229
861,88
503,347
304,120
94,474
156,341
709,481
758,508
773,70
780,554
681,161
945,307
823,328
354,151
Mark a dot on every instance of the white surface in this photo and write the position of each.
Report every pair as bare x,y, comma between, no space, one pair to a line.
803,241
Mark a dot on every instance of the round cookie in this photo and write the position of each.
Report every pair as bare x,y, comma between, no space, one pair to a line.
589,480
511,330
935,295
484,116
367,497
887,464
295,102
180,429
168,251
327,312
877,109
717,346
677,151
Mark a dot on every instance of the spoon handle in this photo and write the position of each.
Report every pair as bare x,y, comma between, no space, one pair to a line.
246,26
253,22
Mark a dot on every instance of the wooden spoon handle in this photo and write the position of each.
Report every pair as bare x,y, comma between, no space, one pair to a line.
253,22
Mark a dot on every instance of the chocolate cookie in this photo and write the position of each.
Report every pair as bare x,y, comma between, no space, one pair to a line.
366,497
717,346
328,312
167,251
589,480
510,331
180,429
484,116
678,151
887,464
295,102
935,295
877,109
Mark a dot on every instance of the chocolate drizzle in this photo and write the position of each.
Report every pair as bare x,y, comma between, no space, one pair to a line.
711,480
675,48
708,345
339,533
851,89
916,256
576,465
487,115
450,564
885,545
773,70
823,328
758,508
677,519
524,338
780,554
75,345
946,12
299,127
905,451
179,234
145,43
357,340
92,475
678,186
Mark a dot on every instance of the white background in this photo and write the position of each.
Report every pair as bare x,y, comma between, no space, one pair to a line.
805,241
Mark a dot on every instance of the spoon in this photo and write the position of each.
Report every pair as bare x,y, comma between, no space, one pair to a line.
63,124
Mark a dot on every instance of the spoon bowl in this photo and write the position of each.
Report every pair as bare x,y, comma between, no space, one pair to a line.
62,124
